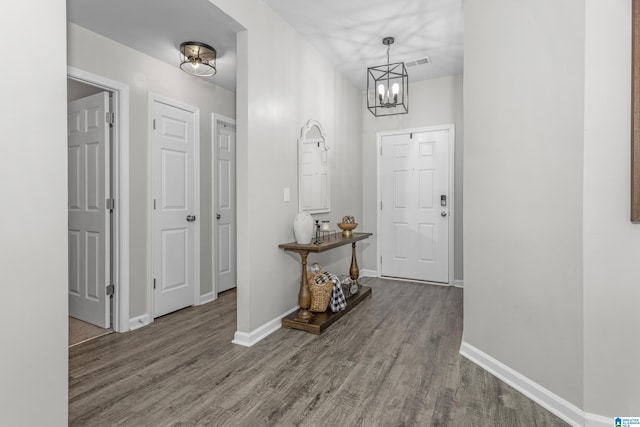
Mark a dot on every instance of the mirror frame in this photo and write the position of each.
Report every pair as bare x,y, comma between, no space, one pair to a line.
304,139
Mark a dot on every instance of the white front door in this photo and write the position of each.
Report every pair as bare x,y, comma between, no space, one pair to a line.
173,172
89,231
414,209
224,185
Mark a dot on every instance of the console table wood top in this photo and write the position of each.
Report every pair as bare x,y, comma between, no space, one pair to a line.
330,243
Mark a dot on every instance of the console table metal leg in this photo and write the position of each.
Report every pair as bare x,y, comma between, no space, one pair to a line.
304,296
354,272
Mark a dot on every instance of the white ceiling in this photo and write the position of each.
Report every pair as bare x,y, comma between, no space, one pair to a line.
157,27
349,32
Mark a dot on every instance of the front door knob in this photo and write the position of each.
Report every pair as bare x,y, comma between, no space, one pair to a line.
443,213
191,218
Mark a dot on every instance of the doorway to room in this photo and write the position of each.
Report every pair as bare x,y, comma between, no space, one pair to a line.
223,161
98,204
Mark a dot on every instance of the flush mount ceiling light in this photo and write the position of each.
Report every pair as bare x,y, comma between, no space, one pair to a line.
198,59
388,87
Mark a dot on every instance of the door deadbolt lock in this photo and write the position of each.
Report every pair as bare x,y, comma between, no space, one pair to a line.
443,200
191,218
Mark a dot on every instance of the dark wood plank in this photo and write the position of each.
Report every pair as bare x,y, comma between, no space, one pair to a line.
392,362
321,321
329,243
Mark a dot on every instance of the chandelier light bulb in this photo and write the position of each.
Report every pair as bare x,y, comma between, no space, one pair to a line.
380,92
395,89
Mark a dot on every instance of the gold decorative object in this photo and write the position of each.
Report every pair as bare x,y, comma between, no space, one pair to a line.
347,228
348,219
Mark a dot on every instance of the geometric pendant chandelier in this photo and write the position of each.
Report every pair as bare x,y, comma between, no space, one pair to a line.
388,87
198,59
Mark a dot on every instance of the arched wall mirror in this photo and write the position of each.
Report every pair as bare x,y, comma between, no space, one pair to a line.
313,169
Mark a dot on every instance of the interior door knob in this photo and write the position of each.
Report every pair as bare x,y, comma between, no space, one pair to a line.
443,213
217,216
191,218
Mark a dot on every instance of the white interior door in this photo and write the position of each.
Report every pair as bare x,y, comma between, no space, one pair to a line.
224,239
174,209
414,210
89,230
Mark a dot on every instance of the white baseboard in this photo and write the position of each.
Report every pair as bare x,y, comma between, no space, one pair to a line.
247,339
368,273
458,283
211,296
534,391
139,321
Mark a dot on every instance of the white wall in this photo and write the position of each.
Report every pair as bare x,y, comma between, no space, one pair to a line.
94,53
611,242
551,280
77,90
432,102
33,221
282,82
523,172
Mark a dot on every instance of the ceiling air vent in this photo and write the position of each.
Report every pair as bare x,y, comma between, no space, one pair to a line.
416,62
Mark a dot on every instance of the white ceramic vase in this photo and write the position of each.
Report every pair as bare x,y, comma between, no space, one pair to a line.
303,228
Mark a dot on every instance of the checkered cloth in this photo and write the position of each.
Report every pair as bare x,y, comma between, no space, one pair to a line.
338,301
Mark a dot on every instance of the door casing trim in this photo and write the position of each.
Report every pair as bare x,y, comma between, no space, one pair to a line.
120,190
379,136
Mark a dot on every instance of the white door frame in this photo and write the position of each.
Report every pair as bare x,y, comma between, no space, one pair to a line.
120,190
196,191
379,136
215,119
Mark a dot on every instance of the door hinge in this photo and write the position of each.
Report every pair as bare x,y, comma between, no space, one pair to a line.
110,117
154,124
154,283
111,204
111,290
411,136
381,205
380,259
154,204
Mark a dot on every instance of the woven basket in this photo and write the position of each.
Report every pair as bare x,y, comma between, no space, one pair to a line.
321,288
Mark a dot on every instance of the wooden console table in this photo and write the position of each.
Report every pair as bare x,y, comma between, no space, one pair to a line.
318,322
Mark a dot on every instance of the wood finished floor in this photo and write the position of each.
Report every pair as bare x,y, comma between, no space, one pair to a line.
80,331
392,361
